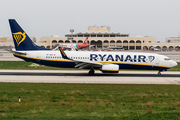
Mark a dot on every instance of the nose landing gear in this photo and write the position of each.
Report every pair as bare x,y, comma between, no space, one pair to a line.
159,73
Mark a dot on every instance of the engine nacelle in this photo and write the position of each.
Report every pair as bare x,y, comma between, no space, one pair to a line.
110,68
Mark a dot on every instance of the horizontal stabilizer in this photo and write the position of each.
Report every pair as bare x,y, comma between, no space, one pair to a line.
20,53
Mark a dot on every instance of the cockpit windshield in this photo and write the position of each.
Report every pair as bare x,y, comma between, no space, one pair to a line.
167,59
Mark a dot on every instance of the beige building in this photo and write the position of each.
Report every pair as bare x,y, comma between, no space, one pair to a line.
101,37
8,41
133,43
173,40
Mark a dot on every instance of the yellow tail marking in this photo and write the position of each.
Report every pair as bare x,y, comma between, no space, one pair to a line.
19,37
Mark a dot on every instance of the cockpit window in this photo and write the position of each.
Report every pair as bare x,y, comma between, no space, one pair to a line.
167,59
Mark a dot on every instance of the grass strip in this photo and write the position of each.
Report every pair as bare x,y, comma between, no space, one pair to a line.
44,101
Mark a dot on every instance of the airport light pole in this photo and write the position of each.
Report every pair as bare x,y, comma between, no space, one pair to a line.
71,30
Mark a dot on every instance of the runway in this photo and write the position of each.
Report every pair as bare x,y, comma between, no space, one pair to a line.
71,76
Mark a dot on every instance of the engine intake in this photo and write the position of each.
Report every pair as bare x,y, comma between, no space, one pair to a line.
110,68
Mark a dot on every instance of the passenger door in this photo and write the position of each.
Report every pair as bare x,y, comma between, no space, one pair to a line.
38,57
157,60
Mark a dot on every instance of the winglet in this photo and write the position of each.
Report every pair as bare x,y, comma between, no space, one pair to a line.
63,53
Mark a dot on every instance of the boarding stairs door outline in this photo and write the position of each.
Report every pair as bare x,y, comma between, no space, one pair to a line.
157,60
38,57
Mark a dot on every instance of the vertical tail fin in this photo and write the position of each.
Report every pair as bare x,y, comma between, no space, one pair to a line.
21,40
85,42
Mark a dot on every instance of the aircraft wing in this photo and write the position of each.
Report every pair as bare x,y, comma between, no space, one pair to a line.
80,63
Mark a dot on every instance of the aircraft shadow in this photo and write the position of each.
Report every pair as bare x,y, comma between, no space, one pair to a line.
86,74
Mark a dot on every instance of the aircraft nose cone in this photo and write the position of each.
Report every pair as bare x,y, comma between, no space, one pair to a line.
174,64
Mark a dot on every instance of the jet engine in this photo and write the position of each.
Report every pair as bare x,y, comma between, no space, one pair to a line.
110,68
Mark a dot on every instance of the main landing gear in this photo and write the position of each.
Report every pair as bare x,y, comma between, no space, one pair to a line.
159,73
91,72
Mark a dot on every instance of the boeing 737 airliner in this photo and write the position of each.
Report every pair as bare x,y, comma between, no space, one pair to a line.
107,62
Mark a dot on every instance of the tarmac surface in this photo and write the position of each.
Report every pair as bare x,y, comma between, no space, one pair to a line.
79,76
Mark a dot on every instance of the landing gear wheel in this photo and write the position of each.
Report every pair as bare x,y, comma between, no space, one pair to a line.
91,72
159,73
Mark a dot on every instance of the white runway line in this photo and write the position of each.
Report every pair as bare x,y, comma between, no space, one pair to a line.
108,80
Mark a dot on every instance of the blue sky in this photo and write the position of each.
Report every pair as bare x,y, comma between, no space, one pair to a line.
156,18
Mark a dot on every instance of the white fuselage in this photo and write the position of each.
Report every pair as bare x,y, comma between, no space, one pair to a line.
125,60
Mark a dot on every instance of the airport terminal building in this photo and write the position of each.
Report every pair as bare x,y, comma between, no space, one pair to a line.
101,38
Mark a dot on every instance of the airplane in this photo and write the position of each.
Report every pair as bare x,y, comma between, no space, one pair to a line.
107,62
155,49
76,46
114,48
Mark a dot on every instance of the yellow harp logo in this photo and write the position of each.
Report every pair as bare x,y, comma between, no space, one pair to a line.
19,37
